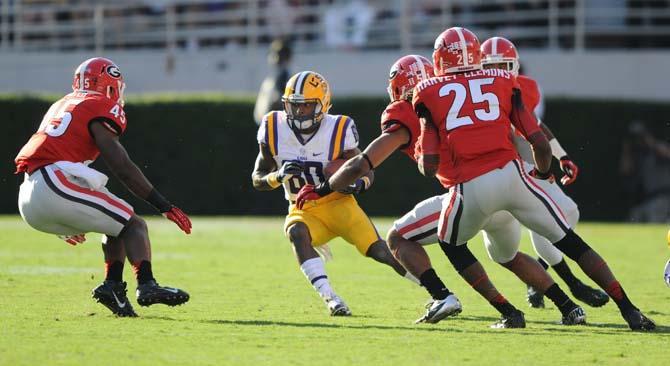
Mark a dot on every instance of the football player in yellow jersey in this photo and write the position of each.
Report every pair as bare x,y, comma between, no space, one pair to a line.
295,146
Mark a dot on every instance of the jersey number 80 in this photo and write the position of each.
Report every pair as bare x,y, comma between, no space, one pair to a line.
313,174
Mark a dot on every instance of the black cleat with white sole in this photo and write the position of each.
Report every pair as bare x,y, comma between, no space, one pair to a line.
535,298
112,294
637,321
515,319
591,296
151,293
576,316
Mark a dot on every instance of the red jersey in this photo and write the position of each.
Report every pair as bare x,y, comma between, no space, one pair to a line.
530,92
473,112
400,114
64,133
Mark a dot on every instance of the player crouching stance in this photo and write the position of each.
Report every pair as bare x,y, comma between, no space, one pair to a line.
295,147
500,53
400,131
468,112
61,195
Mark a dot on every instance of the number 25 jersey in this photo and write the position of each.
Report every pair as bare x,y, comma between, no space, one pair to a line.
64,132
335,135
474,112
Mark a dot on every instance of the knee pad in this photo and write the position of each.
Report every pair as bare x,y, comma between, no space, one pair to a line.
460,256
572,245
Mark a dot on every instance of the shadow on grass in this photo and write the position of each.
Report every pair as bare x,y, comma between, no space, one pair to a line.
444,326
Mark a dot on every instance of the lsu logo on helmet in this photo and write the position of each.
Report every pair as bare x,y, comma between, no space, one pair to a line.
306,99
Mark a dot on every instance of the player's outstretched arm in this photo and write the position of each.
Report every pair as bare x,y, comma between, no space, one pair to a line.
361,181
361,164
569,168
116,157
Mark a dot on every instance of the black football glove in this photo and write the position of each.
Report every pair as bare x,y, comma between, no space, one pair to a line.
289,170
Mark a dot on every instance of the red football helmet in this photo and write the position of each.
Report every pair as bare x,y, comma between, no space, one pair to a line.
406,73
100,75
456,50
499,50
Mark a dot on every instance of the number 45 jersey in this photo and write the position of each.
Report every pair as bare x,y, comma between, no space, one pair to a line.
335,135
64,132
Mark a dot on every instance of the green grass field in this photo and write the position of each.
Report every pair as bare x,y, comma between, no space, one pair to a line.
250,304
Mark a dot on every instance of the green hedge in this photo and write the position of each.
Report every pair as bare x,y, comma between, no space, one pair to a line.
200,150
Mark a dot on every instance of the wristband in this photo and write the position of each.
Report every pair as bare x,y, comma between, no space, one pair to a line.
367,158
557,149
541,175
273,180
323,188
158,201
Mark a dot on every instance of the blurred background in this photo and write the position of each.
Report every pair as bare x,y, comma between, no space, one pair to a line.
200,73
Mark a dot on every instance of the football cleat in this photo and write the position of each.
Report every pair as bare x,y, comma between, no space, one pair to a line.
637,321
112,294
576,316
337,306
535,298
437,310
151,293
514,319
588,295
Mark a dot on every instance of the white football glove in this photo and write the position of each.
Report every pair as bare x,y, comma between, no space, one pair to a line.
666,275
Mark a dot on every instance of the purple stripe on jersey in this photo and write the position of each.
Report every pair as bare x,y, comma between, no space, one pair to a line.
274,132
344,133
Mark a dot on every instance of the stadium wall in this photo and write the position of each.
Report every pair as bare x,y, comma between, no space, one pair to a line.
631,75
200,151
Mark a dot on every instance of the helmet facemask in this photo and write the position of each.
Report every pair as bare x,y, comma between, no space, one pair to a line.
504,63
121,88
303,115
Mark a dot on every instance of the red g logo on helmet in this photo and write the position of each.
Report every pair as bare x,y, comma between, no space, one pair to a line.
456,50
406,73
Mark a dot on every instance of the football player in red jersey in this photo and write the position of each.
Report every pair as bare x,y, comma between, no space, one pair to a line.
500,53
466,114
63,196
400,131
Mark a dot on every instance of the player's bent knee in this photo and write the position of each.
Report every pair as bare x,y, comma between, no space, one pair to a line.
460,256
393,239
135,226
509,263
298,234
380,252
572,245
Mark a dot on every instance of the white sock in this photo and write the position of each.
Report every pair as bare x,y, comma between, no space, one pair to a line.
412,279
316,274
